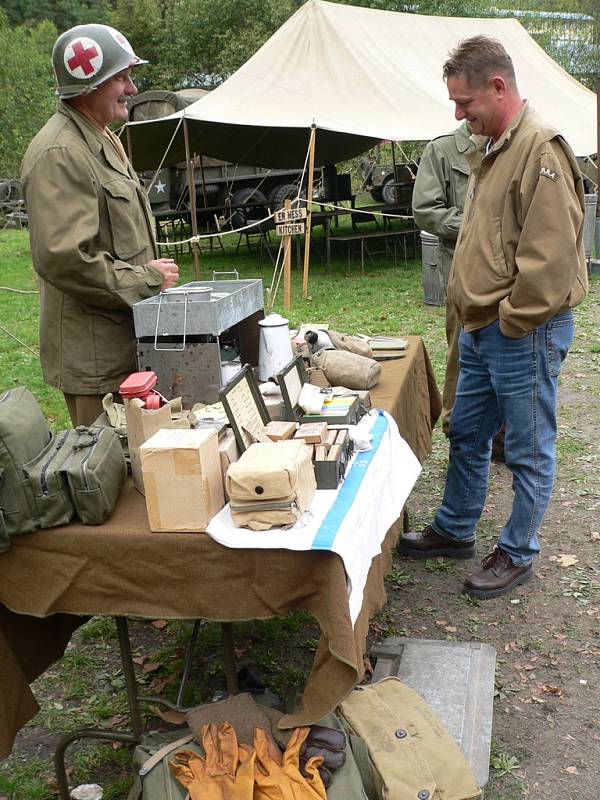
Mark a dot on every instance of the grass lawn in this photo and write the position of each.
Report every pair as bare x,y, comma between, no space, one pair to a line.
383,299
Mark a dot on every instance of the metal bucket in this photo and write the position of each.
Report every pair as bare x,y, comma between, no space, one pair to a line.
589,224
433,280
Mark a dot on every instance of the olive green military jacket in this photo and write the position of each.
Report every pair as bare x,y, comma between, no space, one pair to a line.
519,256
439,191
91,236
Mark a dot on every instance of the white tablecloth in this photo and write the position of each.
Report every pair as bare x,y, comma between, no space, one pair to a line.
351,520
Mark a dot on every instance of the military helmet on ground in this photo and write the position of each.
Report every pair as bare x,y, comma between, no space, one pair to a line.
87,55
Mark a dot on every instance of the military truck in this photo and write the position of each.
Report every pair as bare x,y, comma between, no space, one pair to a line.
378,179
219,184
12,205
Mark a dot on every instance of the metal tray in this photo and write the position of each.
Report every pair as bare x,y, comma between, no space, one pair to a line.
186,312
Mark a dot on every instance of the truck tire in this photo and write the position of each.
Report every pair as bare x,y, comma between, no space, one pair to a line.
287,191
376,194
249,204
388,191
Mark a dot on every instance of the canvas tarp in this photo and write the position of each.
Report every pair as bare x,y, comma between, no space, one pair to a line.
359,75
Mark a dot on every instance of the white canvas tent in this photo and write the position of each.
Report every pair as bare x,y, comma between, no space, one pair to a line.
358,75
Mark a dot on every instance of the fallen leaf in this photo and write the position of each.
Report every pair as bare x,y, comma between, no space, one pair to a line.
174,717
158,684
139,660
151,666
115,721
594,536
441,622
450,629
571,770
159,624
567,560
549,689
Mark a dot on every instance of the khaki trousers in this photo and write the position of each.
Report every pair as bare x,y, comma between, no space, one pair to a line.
84,408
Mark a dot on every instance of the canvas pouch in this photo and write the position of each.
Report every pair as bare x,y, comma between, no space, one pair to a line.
345,341
95,472
271,485
411,752
24,433
347,369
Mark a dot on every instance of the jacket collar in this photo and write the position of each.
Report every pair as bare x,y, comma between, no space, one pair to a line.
94,139
462,138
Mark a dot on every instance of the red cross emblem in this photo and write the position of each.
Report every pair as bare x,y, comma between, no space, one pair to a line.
83,57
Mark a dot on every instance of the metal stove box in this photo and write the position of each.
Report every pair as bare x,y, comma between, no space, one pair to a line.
184,311
184,334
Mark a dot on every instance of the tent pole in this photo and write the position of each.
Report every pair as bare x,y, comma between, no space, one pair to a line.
192,194
287,265
309,192
204,189
396,198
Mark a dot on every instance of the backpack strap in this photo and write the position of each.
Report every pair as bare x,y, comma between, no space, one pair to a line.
164,751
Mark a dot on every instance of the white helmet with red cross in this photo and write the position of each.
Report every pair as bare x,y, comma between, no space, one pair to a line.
87,55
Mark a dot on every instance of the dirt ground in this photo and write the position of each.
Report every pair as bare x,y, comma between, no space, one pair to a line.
546,730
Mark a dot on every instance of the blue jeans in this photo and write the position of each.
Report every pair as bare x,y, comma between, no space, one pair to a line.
510,382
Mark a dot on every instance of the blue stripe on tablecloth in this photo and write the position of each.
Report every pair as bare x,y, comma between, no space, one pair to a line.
327,532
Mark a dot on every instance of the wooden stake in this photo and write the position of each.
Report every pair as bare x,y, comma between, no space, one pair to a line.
309,192
192,194
287,264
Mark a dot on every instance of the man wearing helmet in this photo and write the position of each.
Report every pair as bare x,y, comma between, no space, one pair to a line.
90,224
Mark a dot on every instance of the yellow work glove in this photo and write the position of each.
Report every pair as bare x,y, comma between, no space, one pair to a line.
227,771
277,778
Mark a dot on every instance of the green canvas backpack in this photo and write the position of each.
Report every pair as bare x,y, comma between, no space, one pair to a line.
24,434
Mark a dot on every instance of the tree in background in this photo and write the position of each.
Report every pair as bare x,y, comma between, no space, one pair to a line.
142,22
207,40
27,97
63,13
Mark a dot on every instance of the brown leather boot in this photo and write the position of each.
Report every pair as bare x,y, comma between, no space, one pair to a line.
430,544
497,576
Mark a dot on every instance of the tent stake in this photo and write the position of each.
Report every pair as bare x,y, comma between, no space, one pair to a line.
309,192
192,194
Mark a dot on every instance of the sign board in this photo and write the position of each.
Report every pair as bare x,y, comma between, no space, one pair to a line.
289,215
289,228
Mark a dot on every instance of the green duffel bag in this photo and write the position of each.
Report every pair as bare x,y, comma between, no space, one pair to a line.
24,433
81,471
49,483
153,779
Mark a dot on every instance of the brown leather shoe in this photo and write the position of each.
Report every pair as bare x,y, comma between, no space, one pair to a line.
430,544
497,576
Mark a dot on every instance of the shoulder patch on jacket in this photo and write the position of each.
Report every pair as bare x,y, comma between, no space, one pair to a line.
546,172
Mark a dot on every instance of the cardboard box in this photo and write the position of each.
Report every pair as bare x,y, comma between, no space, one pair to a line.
229,452
141,425
182,479
279,431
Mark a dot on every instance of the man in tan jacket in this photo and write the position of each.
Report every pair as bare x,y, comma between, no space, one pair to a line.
90,224
518,270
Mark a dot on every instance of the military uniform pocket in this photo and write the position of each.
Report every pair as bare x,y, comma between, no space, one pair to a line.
129,231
